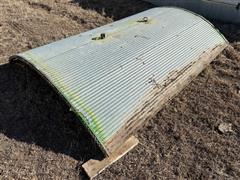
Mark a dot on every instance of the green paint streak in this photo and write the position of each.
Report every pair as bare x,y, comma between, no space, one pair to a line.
93,123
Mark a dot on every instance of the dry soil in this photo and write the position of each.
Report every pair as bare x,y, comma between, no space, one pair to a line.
41,139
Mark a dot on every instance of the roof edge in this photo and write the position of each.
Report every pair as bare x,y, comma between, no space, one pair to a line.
15,58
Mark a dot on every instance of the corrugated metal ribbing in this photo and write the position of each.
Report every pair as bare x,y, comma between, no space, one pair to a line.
106,80
223,10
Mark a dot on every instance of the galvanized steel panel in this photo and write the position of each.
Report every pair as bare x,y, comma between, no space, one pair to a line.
106,80
223,10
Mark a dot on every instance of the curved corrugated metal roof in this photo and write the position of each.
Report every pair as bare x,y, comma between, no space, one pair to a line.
110,74
223,10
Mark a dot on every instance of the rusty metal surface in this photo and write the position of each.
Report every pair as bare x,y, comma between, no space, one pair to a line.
105,74
223,10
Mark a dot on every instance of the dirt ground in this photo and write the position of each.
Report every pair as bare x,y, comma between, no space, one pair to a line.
41,139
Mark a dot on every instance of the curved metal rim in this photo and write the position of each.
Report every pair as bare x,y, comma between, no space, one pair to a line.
80,116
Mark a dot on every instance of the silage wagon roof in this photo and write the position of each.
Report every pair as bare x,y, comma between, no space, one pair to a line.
107,75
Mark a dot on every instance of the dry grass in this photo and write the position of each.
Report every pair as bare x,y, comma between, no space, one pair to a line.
41,139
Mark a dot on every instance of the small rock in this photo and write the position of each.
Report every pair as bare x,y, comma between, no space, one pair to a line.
175,109
225,127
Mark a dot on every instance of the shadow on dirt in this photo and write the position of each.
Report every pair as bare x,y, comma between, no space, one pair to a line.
32,112
116,9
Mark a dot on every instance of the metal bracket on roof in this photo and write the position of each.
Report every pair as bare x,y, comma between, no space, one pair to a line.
102,36
143,20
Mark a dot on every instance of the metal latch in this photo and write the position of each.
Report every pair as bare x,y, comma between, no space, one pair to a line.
102,36
144,20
